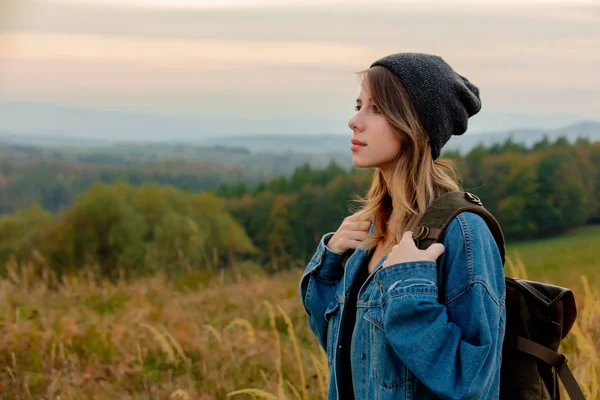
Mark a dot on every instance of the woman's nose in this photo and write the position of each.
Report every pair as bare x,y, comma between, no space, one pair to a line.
354,124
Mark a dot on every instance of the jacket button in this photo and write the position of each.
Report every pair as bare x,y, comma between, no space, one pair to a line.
362,356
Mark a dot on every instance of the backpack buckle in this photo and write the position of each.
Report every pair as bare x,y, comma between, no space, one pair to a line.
422,234
473,199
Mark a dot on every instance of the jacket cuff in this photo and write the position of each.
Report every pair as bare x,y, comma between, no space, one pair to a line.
326,265
408,278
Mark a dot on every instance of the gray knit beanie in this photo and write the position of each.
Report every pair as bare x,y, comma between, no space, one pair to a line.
443,99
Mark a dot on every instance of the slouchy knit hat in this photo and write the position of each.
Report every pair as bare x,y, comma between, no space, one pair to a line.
443,99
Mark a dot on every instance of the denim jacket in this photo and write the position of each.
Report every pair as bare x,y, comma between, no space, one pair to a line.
406,345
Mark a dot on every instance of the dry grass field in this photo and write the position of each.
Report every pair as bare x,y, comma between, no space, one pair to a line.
200,336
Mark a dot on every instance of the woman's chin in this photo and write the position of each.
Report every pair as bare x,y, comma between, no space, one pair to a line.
358,163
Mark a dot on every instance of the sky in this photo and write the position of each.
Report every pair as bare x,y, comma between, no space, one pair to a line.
235,67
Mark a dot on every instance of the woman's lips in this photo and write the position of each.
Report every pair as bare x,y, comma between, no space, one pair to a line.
356,144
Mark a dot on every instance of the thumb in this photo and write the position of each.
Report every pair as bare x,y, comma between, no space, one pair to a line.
435,250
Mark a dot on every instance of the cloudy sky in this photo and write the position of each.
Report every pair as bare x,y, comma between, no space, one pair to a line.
224,67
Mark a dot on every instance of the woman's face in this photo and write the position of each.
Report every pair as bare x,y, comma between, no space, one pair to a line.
369,126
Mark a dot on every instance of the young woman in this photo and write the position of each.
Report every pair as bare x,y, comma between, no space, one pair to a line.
377,315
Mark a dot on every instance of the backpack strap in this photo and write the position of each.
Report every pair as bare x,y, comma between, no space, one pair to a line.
441,212
557,360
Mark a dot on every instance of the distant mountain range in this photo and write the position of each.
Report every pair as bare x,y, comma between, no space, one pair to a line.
341,143
313,144
256,157
67,126
528,137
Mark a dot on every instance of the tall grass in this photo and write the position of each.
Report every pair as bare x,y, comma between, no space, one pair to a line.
227,336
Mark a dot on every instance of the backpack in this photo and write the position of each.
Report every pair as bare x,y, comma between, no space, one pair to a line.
538,315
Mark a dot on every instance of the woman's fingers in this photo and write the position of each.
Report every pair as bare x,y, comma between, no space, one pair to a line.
357,235
353,244
350,234
434,251
353,217
358,226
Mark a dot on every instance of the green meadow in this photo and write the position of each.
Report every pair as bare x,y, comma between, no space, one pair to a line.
561,260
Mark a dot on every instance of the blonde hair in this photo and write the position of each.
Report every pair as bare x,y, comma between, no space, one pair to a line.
416,179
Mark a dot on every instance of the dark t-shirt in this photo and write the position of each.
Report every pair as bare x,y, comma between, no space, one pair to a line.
344,360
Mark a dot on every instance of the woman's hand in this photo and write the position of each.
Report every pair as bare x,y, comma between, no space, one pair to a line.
406,251
349,235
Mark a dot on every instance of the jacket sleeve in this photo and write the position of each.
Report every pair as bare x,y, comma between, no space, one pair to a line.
454,348
318,285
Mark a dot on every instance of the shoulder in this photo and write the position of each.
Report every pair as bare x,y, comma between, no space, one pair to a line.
466,227
469,240
471,256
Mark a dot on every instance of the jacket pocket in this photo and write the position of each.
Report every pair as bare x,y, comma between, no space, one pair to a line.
331,319
387,368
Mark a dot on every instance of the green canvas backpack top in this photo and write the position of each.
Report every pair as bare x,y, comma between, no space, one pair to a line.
538,315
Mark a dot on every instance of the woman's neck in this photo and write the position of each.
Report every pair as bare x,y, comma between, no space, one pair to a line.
386,173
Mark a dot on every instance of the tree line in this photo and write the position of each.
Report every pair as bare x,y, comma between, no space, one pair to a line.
53,176
55,185
534,192
539,191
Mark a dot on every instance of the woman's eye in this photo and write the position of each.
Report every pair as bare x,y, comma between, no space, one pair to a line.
357,108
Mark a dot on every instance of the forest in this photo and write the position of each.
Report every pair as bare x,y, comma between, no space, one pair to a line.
131,220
